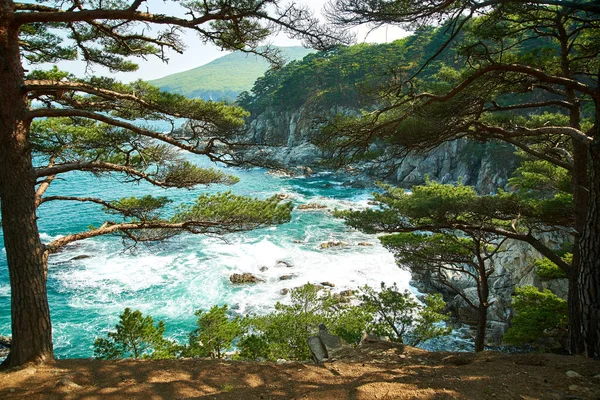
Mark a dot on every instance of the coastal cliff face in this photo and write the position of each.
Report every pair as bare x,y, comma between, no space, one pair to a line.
514,267
486,166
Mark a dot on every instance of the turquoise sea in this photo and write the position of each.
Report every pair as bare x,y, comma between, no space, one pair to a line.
171,280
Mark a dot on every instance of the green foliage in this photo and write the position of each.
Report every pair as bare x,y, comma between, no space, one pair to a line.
538,314
145,208
284,332
401,318
548,270
541,179
344,76
215,334
253,347
235,212
428,322
135,336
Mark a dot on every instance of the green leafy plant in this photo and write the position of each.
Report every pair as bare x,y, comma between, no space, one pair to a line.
286,329
548,270
389,312
135,336
539,314
401,318
215,333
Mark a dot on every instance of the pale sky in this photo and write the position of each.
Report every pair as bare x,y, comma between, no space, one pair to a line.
198,54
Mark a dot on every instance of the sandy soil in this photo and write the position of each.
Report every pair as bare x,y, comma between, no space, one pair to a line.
383,371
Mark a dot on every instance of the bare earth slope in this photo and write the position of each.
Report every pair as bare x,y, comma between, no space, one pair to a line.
381,371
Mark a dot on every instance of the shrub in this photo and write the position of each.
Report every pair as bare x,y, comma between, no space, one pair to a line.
547,270
284,332
539,314
135,336
215,333
400,317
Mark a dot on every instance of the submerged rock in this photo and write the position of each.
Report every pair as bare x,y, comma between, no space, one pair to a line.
284,264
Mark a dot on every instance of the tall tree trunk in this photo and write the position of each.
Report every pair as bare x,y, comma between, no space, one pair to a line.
481,327
31,329
580,204
589,246
483,292
579,182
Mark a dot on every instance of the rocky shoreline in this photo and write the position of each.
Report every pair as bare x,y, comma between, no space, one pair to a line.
486,166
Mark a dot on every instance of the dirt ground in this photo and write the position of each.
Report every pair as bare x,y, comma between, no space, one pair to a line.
383,371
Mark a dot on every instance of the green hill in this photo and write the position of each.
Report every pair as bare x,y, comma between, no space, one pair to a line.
225,77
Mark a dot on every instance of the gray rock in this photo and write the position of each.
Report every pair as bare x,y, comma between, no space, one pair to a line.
246,277
283,264
66,382
331,342
328,284
286,277
331,244
572,374
80,257
311,206
317,348
284,291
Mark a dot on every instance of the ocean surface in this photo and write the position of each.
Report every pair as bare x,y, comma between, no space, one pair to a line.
172,279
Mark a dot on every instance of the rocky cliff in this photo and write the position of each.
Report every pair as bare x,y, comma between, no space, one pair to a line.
487,166
514,267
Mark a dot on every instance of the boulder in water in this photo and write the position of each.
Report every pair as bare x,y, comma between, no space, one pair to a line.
286,277
284,264
330,244
311,206
246,277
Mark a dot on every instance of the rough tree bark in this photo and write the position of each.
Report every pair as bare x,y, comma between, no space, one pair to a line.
589,247
483,293
31,329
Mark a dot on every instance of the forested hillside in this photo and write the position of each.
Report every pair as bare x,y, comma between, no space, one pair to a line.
345,76
225,77
290,106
